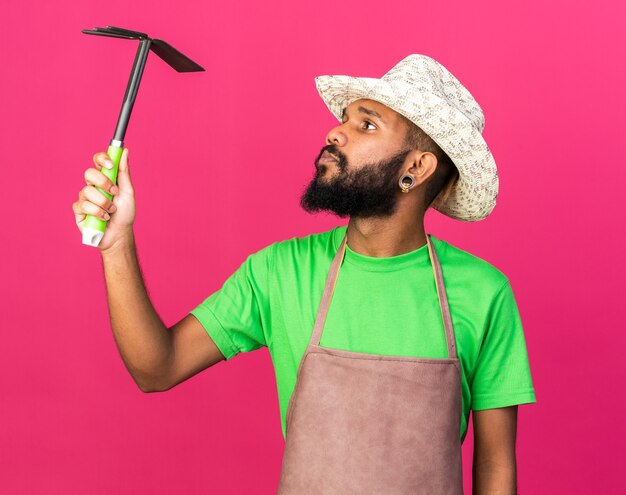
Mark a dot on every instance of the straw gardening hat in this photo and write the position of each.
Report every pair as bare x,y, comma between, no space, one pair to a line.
426,93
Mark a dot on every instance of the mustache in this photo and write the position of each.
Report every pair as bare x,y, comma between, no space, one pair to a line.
333,150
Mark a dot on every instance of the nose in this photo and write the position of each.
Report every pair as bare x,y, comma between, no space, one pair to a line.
336,136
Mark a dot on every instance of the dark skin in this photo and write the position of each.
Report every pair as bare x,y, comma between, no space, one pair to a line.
159,358
371,131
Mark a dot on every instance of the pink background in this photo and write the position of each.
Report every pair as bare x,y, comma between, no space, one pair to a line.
219,160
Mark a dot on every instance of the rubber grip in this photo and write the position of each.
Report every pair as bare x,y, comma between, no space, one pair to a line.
115,154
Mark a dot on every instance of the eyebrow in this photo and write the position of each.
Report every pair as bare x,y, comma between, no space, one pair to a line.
367,111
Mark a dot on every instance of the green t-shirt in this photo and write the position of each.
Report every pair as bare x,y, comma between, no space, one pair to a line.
383,306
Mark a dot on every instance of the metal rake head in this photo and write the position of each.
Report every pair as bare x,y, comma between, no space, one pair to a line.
174,58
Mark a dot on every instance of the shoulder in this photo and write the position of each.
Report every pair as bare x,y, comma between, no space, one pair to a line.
320,244
312,246
472,271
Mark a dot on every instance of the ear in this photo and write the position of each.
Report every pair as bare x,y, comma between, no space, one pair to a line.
421,165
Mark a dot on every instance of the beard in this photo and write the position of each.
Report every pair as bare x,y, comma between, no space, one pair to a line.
371,191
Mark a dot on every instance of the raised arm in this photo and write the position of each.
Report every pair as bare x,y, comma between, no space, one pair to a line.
156,357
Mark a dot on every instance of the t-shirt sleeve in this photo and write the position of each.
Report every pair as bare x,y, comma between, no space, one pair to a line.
501,374
234,315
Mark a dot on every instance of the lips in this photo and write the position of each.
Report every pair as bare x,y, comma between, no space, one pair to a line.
327,158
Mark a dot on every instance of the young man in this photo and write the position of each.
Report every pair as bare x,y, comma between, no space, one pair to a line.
383,338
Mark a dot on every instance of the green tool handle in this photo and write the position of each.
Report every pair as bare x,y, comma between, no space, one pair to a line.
94,227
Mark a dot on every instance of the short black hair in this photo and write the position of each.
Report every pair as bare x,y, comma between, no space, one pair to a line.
446,174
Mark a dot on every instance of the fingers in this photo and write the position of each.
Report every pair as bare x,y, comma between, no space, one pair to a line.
84,207
91,194
96,202
101,159
95,177
93,202
123,179
124,161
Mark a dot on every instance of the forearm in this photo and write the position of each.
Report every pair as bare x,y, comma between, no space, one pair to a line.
140,335
494,479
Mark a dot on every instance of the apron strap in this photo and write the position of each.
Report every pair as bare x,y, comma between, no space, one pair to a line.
331,280
443,299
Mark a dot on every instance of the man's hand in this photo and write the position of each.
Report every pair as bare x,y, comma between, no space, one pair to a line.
120,213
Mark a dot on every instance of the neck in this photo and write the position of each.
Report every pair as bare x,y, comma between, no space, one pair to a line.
385,237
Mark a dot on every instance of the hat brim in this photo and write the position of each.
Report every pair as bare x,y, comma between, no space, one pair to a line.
474,195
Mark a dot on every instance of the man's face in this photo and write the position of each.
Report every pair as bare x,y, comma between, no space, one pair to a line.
357,172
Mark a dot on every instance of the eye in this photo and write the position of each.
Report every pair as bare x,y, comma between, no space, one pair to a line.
367,122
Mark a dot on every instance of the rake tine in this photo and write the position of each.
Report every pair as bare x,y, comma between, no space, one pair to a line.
107,33
127,32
